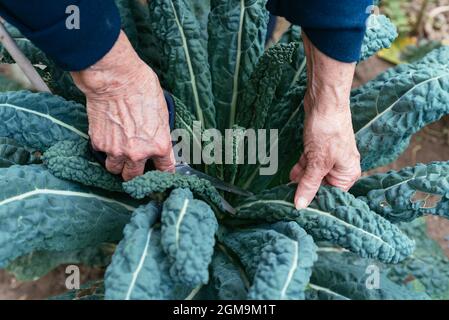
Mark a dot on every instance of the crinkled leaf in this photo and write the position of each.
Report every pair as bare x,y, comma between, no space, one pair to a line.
335,216
260,90
287,118
237,31
349,276
128,23
41,212
145,38
389,109
184,119
296,70
158,181
292,34
188,229
418,50
201,10
183,116
237,148
380,34
408,193
140,269
227,277
39,120
277,258
70,160
184,69
293,73
428,265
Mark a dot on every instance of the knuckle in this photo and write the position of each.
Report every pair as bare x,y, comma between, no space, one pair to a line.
129,166
115,153
113,168
161,148
133,166
136,157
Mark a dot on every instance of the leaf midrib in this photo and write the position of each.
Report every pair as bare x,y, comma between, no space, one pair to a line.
397,101
47,116
139,266
199,112
292,269
308,210
179,221
249,181
327,290
65,193
235,85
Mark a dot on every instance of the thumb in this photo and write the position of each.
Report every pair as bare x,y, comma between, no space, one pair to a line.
165,163
308,187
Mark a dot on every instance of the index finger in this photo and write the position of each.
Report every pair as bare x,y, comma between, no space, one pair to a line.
308,187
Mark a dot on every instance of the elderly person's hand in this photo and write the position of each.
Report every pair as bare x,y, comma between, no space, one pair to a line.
128,116
330,152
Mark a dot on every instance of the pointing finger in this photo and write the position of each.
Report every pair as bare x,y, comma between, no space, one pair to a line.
308,187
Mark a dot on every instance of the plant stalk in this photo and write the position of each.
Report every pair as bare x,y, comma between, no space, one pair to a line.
22,61
417,30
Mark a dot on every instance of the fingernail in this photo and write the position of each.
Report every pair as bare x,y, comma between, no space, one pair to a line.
301,203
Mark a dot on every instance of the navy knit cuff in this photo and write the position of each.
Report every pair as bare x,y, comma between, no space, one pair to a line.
336,28
78,49
342,45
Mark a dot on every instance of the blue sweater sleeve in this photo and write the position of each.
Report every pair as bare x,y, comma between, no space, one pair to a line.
335,27
44,23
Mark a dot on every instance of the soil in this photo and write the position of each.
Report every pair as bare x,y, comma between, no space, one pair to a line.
50,285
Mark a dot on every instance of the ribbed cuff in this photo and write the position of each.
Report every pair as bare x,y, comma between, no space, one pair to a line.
78,49
340,44
336,28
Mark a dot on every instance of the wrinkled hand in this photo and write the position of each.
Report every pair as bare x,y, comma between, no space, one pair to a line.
128,116
330,153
